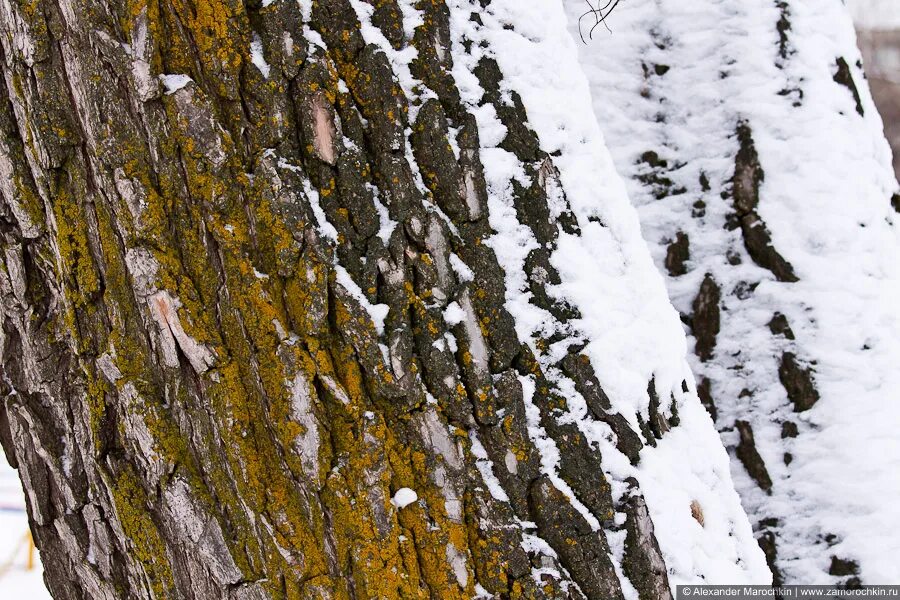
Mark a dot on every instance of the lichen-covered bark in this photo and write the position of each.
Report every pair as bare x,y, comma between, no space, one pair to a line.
224,340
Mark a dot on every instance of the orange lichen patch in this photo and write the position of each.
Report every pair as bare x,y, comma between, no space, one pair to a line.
220,32
442,544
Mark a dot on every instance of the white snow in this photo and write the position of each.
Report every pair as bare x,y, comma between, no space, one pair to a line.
305,10
400,59
825,200
387,224
633,332
462,270
404,497
454,314
174,82
312,194
412,17
548,451
486,468
257,57
377,312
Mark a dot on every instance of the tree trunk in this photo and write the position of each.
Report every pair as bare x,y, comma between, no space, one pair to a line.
249,314
756,159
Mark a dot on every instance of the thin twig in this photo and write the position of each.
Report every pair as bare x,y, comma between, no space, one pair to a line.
601,13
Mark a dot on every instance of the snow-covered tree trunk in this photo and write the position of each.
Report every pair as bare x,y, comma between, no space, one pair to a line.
285,312
757,160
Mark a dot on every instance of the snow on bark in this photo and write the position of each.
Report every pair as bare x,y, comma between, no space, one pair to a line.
630,331
756,159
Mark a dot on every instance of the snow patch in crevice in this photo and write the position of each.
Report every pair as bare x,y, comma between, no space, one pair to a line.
454,314
377,312
312,194
400,60
404,497
386,229
462,270
486,468
174,82
257,57
306,10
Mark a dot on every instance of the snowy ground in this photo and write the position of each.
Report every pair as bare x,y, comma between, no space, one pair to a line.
676,78
16,582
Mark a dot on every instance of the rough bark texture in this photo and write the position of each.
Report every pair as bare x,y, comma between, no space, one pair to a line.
224,346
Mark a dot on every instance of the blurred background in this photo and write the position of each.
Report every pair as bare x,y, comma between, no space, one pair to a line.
20,568
878,27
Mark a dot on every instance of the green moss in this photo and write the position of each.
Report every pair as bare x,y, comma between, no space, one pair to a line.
96,404
28,198
146,544
72,241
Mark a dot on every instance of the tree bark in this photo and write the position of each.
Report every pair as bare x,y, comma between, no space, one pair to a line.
242,311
